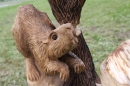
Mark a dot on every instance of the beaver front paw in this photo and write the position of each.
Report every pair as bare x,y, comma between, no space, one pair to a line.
64,73
33,74
49,72
79,67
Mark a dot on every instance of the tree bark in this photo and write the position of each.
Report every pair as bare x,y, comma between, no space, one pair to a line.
69,11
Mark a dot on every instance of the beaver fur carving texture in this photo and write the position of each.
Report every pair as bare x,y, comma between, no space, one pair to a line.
41,44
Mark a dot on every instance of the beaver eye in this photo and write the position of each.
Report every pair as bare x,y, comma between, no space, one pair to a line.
54,36
68,28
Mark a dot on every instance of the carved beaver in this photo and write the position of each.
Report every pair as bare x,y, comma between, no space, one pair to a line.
41,44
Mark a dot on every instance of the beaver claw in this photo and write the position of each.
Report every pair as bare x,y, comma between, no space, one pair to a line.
33,74
80,67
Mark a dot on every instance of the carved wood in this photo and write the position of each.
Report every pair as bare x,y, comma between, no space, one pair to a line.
69,11
42,44
115,70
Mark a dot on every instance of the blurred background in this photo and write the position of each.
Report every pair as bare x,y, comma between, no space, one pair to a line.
105,24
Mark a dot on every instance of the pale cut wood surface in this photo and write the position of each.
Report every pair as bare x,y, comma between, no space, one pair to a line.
115,70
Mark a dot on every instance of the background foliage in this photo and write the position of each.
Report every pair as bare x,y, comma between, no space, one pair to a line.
105,24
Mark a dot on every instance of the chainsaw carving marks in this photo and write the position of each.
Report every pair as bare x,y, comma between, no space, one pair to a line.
41,44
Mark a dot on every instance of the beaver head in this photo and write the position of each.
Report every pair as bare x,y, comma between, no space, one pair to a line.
39,36
61,40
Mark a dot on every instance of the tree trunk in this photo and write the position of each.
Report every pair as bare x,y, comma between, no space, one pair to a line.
69,11
115,70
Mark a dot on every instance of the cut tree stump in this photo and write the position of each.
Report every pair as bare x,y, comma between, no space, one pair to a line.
69,11
115,70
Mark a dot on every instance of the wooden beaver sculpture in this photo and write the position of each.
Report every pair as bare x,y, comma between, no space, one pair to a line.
41,44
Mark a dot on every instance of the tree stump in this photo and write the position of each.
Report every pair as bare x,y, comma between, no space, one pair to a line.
115,70
69,11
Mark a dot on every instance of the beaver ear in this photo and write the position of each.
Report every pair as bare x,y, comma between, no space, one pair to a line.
46,41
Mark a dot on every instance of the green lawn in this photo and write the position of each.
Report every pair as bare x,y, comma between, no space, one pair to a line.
105,24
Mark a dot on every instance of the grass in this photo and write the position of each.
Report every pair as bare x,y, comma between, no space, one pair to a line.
105,24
